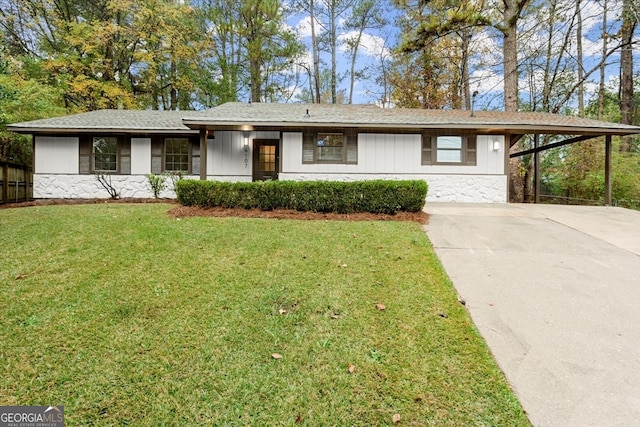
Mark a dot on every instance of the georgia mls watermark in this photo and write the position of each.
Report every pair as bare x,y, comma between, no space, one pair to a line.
31,416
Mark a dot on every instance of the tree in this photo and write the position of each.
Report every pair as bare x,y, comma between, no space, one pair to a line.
509,28
252,51
366,14
629,23
172,41
22,99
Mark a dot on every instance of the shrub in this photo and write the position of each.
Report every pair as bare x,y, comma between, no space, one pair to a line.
156,183
379,196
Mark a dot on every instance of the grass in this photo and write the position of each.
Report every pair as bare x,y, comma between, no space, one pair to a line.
125,315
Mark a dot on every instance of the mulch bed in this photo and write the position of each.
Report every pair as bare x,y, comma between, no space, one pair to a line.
191,211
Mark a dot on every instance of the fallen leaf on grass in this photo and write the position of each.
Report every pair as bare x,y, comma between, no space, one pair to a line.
351,368
443,315
343,265
380,307
276,356
282,311
21,276
395,418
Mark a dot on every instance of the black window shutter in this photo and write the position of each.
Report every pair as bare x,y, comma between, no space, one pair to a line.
471,151
85,152
195,157
308,148
427,142
125,156
157,149
352,147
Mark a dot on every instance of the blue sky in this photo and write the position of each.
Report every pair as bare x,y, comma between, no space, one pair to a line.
486,65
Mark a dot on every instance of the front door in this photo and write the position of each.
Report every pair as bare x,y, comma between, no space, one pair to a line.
265,159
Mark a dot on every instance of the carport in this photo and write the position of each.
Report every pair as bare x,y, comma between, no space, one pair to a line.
555,292
580,132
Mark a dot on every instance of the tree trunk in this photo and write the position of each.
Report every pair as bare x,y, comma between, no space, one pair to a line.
546,89
334,47
465,89
510,55
601,89
314,49
629,23
580,59
354,57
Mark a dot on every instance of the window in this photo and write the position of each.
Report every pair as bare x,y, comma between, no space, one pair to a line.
449,150
176,154
330,146
105,154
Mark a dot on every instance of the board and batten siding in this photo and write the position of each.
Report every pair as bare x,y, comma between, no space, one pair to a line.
399,156
393,154
227,157
56,155
57,170
140,156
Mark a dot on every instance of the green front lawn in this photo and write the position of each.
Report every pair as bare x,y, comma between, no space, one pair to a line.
125,315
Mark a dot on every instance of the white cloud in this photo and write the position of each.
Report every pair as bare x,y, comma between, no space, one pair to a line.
370,45
486,81
303,28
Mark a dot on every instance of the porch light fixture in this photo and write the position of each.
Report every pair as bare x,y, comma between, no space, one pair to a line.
496,145
246,141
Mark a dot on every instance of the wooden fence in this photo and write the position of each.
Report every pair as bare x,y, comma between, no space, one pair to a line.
16,183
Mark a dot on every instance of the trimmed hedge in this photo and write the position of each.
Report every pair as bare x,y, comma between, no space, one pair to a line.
378,196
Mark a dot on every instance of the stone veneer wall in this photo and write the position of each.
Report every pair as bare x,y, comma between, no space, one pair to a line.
442,188
88,187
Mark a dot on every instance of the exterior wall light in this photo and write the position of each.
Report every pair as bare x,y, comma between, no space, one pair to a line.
496,145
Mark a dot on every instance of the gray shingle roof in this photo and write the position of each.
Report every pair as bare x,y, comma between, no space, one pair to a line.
236,115
301,115
135,121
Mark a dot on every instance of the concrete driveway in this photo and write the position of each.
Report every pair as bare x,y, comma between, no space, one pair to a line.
555,291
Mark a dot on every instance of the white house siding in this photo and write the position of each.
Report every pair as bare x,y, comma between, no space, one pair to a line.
380,156
228,159
140,156
56,172
399,156
57,155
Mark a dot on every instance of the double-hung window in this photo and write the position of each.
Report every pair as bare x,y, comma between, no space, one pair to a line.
105,154
449,150
335,146
176,154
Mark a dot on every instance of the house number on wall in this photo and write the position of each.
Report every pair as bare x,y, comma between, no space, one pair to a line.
246,156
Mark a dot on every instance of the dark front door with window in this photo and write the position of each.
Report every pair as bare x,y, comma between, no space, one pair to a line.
265,159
